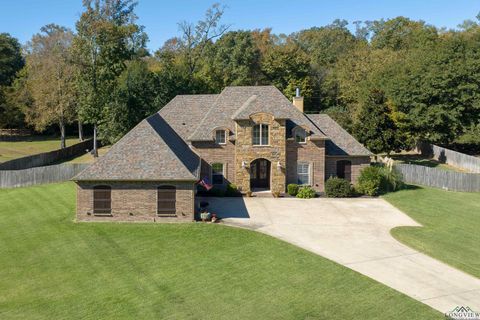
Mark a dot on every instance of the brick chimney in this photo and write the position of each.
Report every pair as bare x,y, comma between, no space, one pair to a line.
297,100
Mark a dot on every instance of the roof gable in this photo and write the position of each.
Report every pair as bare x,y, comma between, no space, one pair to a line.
238,103
151,151
341,142
267,100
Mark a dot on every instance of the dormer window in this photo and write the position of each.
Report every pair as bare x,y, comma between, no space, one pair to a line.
220,137
301,135
260,135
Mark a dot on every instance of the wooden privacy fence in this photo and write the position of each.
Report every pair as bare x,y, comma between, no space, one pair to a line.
456,159
40,175
439,178
46,158
14,134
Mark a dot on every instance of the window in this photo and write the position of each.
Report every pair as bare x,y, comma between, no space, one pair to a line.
217,173
260,135
303,173
300,135
220,136
102,200
166,199
344,169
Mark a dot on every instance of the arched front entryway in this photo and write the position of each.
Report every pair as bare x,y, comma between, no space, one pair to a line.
260,174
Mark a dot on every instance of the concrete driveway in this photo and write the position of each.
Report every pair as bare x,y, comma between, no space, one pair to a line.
356,234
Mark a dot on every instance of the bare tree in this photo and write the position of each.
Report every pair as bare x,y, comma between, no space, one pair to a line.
195,37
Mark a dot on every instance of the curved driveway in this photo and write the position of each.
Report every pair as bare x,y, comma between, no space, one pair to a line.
356,234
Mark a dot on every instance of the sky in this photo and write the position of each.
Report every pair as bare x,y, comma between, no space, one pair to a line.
23,18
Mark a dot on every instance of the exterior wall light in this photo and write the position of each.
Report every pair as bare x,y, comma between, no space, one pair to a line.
279,166
244,164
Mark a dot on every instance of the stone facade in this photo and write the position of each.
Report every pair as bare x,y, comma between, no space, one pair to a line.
275,151
288,152
358,163
135,201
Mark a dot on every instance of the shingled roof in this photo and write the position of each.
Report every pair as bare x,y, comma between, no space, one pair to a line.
341,142
156,149
152,151
238,103
184,112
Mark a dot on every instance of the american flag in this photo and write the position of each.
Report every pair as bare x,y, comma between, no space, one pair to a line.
206,183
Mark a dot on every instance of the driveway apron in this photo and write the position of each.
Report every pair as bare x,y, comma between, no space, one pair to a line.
356,234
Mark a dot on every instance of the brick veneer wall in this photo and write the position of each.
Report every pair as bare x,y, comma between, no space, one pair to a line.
210,153
136,201
275,152
358,163
312,152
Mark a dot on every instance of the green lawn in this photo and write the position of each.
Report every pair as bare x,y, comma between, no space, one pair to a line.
451,225
53,268
10,150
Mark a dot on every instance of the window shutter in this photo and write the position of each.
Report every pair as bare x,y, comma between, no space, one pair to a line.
166,201
102,200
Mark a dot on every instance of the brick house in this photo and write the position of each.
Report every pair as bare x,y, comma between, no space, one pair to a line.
253,137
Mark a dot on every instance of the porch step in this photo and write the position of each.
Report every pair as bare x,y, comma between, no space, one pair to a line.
262,194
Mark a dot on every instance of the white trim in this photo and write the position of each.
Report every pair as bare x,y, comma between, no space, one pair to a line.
225,136
260,135
295,130
309,171
223,173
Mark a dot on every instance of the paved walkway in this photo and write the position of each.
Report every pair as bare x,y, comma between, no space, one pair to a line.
356,234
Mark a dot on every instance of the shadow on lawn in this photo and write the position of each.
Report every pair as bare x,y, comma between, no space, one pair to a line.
404,187
417,159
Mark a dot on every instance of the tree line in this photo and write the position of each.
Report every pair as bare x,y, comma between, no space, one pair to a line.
390,82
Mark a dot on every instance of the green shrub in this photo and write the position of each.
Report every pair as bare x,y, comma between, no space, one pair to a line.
376,180
392,179
338,188
370,181
306,192
232,190
292,189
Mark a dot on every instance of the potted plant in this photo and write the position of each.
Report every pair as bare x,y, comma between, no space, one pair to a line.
204,215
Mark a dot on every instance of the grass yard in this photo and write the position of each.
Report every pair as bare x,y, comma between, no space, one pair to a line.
451,224
88,158
53,268
10,150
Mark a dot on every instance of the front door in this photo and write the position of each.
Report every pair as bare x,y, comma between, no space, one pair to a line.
260,174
